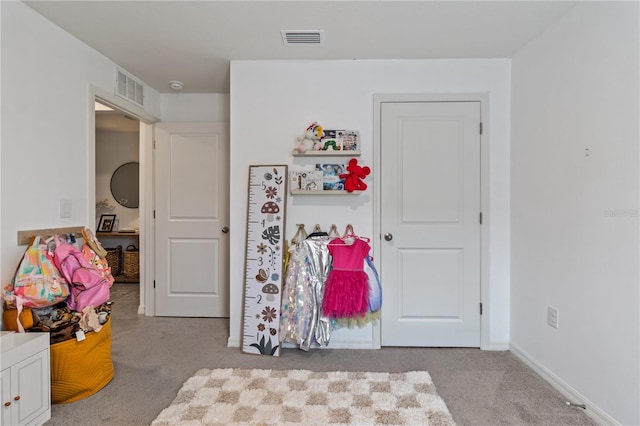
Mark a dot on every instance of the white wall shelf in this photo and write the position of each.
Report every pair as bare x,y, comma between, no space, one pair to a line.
325,153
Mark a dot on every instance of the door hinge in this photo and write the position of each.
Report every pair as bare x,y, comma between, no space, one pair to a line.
154,214
154,143
154,286
480,303
480,218
481,127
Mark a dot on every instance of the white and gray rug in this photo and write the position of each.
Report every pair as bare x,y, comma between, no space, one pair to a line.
269,397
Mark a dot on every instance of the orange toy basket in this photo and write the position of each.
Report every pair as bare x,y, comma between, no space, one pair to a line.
80,369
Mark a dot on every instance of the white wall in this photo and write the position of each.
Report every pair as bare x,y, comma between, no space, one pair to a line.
273,101
1,162
46,79
113,149
574,213
190,107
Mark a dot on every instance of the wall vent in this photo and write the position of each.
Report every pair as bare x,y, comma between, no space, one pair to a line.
129,88
303,37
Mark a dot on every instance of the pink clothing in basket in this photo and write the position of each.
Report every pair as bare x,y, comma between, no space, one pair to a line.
346,293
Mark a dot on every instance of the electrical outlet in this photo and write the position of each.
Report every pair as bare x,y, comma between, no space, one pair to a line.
553,316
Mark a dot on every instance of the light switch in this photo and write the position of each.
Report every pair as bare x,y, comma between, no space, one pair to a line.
65,208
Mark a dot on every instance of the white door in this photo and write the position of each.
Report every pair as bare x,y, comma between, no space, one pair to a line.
430,209
192,205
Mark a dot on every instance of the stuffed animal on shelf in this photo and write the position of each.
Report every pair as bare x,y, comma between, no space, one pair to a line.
353,179
310,140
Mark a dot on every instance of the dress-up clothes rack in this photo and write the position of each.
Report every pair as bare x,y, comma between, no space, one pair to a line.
326,286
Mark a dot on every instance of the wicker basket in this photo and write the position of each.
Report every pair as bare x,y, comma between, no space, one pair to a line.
114,259
131,262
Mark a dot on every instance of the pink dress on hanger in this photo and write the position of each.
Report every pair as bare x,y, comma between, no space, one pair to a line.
346,292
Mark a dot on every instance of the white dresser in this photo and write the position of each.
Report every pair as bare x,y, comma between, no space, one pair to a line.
26,385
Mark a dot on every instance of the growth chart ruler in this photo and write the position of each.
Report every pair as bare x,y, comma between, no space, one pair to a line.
263,259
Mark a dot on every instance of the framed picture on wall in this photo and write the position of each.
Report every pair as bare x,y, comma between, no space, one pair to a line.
106,222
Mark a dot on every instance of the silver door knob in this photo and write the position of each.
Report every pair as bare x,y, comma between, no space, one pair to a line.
225,230
388,236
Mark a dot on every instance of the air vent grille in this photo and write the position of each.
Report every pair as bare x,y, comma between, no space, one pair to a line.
303,37
129,88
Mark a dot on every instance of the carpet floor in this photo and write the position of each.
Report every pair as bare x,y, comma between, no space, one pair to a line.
154,357
232,396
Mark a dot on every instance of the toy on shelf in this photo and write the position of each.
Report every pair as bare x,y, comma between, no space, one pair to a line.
310,140
353,180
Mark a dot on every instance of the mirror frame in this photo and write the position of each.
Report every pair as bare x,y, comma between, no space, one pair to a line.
120,199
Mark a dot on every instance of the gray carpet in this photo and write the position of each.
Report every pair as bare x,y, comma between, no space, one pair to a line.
153,357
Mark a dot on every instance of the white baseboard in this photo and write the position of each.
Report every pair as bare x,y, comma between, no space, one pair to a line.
572,395
496,345
141,309
352,345
235,343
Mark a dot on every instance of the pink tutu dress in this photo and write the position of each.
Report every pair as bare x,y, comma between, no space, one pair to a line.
346,293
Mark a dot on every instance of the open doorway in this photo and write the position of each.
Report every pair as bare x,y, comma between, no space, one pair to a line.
144,122
117,190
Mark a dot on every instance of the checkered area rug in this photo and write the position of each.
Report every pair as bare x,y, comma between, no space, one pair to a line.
273,397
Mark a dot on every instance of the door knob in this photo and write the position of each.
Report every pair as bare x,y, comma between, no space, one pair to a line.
388,236
225,230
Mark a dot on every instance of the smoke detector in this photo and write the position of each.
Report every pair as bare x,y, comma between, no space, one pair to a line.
176,85
303,37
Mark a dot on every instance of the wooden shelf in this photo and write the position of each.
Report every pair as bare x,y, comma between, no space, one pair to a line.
326,153
118,234
322,192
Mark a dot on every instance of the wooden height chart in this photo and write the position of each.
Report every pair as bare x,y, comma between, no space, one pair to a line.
263,259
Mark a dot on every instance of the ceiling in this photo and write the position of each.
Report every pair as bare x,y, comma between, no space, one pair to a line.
194,41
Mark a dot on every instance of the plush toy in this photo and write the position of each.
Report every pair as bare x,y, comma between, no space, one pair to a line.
353,179
310,140
330,145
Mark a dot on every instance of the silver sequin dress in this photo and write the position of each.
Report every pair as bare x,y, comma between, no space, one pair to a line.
301,320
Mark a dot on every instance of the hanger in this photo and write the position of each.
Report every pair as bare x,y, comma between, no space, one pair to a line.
333,231
301,232
317,232
350,236
348,231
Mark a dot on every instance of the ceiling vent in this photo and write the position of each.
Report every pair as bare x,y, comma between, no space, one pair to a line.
303,37
129,88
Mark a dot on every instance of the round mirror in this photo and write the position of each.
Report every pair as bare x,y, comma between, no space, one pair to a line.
125,184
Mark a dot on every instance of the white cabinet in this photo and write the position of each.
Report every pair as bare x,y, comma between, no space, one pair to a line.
26,384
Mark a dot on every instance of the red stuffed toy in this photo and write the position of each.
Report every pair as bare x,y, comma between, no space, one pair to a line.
353,179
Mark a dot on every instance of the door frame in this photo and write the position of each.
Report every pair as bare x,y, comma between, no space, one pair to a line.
146,305
483,98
